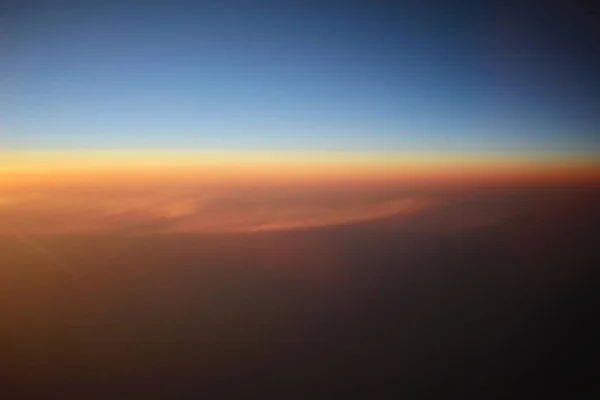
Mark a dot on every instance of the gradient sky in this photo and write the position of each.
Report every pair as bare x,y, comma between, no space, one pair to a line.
333,75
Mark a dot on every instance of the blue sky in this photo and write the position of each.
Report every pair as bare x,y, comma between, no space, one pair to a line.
278,75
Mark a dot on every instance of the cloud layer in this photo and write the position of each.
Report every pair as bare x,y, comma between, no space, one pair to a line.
173,210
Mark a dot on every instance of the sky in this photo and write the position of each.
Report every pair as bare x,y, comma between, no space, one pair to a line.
302,75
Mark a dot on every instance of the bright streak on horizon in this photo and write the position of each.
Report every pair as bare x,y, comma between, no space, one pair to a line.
17,166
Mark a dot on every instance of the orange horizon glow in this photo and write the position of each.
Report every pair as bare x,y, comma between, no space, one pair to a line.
192,191
47,167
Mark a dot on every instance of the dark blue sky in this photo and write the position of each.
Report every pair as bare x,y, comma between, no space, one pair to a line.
341,75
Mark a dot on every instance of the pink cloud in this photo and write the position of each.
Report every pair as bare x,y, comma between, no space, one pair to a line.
173,210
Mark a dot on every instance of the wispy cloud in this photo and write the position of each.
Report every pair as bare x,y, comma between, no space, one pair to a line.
160,210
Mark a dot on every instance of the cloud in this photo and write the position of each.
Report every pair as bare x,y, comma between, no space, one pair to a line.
160,210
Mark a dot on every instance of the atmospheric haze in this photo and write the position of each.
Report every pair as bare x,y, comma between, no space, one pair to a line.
167,285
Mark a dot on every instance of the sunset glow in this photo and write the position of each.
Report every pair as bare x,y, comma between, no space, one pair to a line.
116,167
